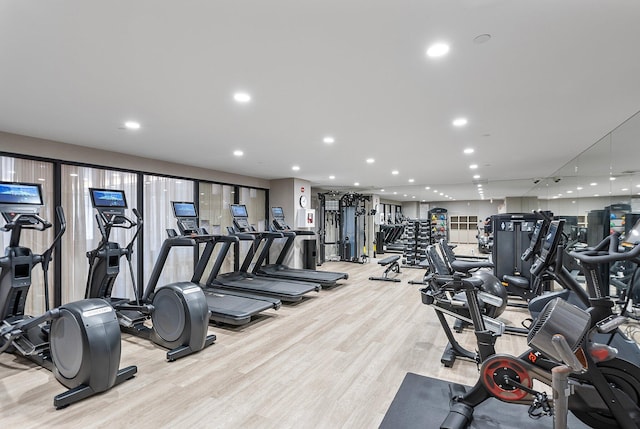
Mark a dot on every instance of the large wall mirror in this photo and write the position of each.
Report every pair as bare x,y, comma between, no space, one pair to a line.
606,175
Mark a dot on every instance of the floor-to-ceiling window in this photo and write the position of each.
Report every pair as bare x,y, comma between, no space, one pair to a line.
215,217
82,230
158,217
38,172
255,200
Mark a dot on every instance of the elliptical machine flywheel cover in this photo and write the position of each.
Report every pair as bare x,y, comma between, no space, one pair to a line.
85,345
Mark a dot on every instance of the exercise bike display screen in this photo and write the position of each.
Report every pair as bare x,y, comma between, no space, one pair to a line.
184,209
551,240
105,198
631,238
277,212
239,210
20,193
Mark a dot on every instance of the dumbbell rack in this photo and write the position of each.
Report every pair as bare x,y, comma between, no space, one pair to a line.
415,240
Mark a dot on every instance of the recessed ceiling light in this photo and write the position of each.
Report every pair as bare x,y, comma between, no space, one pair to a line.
370,160
332,177
242,97
381,190
437,50
579,188
482,38
295,168
413,196
569,192
476,176
468,150
441,193
593,183
637,186
473,166
404,195
395,193
238,152
624,189
132,125
395,172
435,191
459,122
479,185
427,187
596,195
356,184
612,178
411,180
328,140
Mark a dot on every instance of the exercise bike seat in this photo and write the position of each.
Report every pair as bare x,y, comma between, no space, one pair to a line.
466,266
517,281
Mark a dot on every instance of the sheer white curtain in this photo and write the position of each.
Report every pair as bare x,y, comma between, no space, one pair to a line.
82,231
158,216
255,200
30,171
215,217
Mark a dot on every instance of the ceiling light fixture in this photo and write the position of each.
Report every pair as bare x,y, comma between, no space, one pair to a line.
411,180
427,187
328,140
579,188
332,177
437,50
238,152
459,122
482,38
612,178
295,168
476,176
395,172
468,151
370,160
473,166
356,184
381,190
242,97
593,184
132,125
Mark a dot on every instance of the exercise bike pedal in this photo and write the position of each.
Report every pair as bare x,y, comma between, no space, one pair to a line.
610,323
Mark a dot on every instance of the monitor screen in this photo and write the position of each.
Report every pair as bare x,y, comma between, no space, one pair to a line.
184,209
551,236
277,212
20,193
239,210
101,198
631,238
536,233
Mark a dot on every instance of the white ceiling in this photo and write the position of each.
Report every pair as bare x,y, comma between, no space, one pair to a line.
554,78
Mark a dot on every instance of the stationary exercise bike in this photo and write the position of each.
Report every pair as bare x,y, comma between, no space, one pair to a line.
178,311
606,381
79,341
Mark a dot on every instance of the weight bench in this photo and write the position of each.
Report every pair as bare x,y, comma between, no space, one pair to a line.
393,266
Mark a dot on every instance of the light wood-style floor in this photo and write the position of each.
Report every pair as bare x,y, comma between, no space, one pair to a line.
335,360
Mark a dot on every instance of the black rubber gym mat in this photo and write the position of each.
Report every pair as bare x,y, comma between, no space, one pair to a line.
423,402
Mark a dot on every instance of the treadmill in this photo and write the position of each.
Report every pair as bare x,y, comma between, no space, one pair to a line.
279,269
225,306
244,281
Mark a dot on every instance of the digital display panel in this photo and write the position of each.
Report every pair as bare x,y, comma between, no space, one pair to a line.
184,209
551,235
107,198
277,212
20,193
239,210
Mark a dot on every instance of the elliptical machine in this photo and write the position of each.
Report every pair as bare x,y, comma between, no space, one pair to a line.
178,311
606,379
79,341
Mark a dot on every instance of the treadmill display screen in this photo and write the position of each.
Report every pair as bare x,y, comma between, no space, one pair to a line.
184,209
102,198
277,212
20,193
239,210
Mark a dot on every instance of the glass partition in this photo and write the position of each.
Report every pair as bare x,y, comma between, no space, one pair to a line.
255,200
30,171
